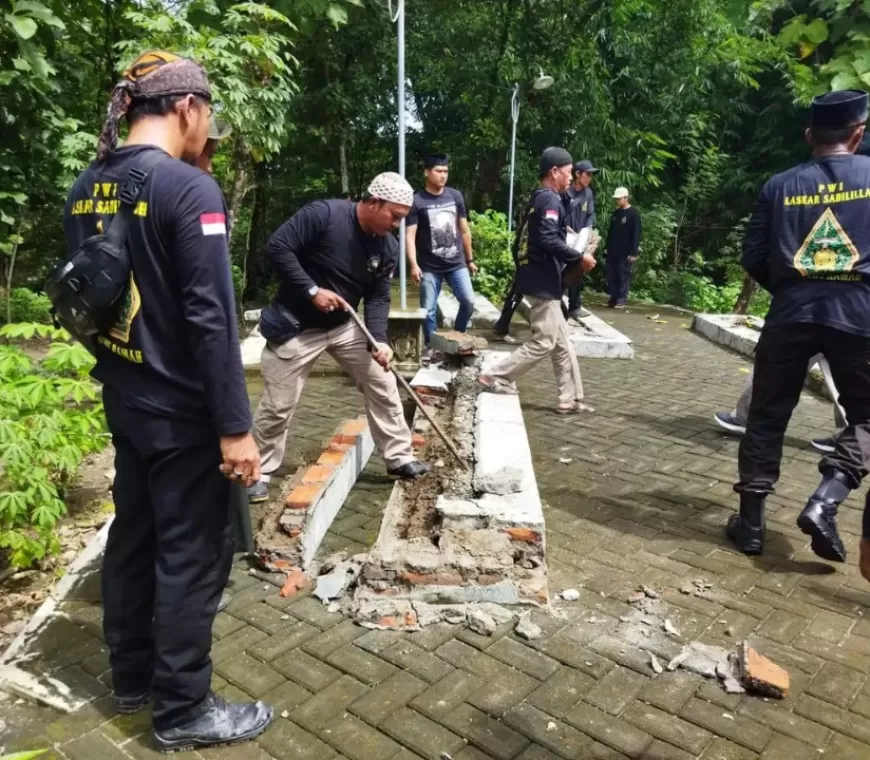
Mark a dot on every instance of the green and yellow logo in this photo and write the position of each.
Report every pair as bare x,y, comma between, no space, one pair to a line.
827,249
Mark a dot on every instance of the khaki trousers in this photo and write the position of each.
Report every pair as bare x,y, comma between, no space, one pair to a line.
549,336
285,369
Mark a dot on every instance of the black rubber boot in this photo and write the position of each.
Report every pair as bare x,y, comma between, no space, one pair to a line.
131,703
819,517
746,530
217,724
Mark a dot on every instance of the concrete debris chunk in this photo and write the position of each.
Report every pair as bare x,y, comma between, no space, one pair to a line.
333,608
527,630
650,592
333,584
497,612
636,597
481,623
728,674
669,628
761,675
654,662
570,594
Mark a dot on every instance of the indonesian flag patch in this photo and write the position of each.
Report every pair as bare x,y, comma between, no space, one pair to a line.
213,224
551,213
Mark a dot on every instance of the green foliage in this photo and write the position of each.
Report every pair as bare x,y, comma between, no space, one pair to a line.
28,306
492,253
245,49
50,419
30,755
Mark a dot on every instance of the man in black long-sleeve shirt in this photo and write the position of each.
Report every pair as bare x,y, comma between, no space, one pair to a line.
808,243
542,256
623,241
176,405
330,256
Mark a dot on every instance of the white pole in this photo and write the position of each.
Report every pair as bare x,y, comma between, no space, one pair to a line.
403,267
515,116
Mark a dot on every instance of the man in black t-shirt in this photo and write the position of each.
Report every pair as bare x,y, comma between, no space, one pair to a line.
808,243
623,242
438,241
580,201
542,255
176,404
330,256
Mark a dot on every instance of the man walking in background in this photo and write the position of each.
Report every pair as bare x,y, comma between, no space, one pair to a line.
623,241
438,241
176,404
581,214
542,256
330,256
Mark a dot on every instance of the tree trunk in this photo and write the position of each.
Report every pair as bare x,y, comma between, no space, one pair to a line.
745,297
241,184
342,159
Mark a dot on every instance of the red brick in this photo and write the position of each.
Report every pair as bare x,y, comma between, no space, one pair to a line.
418,441
332,456
525,535
762,675
318,473
409,620
431,579
302,497
354,427
488,580
344,439
295,581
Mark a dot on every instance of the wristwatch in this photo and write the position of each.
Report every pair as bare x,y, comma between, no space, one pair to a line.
313,290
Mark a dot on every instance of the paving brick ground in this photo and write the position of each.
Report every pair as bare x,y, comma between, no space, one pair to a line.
642,499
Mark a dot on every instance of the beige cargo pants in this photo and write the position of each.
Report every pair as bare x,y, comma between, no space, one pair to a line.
550,336
285,369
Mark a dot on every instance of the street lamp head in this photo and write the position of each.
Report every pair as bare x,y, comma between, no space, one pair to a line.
543,81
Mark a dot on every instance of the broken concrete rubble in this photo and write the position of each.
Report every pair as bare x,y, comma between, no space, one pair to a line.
527,630
455,343
481,623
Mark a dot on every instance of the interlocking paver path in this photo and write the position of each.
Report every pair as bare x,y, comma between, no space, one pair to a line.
642,500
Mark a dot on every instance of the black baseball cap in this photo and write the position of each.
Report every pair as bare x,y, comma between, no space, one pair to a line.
839,110
584,166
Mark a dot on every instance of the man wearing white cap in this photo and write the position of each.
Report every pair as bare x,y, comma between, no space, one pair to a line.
330,256
623,241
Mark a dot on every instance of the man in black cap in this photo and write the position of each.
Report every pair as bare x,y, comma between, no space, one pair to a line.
581,214
808,243
438,241
542,255
176,405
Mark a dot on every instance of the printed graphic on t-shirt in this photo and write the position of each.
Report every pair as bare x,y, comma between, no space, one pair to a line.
442,223
130,306
827,251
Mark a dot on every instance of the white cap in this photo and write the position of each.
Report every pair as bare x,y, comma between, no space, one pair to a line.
393,188
620,192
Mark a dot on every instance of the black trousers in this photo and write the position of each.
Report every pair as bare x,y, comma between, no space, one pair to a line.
167,559
575,296
511,304
618,273
780,368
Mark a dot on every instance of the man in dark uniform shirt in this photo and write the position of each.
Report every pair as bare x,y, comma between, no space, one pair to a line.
542,257
330,256
175,400
808,243
623,241
580,214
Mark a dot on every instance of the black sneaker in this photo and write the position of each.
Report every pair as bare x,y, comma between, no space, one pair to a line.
409,470
218,724
258,493
825,445
729,421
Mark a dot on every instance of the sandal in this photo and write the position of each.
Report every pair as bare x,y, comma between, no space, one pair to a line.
578,407
497,385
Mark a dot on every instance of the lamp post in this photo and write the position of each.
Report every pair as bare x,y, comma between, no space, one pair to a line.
399,20
541,83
